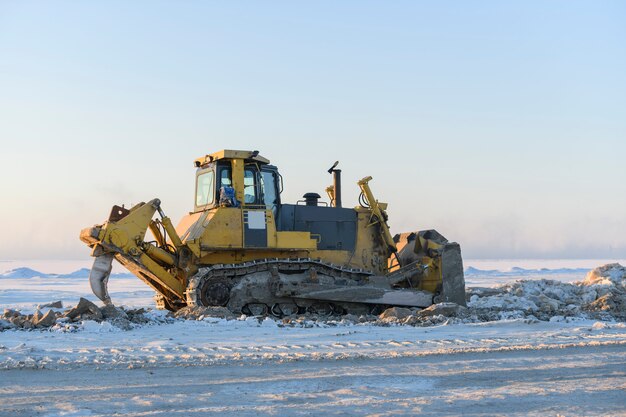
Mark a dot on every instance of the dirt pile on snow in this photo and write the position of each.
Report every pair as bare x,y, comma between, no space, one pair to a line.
85,314
42,318
200,313
608,282
435,314
609,274
395,314
602,296
444,309
86,310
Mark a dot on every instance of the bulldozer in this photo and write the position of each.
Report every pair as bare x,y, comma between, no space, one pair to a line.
243,248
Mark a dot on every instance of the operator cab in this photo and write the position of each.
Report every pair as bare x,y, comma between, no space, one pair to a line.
215,187
257,188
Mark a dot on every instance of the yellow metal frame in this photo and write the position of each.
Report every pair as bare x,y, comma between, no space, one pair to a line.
216,236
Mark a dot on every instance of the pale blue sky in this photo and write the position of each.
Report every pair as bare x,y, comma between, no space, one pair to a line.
501,124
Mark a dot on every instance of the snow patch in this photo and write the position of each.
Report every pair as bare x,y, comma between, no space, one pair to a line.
90,326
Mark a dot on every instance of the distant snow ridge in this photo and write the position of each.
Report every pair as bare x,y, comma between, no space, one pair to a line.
24,272
601,295
81,273
517,271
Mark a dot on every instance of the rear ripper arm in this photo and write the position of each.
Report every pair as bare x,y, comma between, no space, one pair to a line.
162,265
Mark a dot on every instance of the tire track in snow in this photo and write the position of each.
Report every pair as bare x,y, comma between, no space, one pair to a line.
28,357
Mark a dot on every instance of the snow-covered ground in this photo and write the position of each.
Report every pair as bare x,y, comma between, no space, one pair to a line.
218,341
570,364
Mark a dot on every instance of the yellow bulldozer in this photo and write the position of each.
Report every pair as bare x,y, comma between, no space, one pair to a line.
243,248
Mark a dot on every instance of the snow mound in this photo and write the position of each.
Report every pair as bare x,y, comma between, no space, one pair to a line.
81,273
602,295
22,273
610,274
84,273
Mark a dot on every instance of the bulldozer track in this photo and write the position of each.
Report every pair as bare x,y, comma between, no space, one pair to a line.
231,274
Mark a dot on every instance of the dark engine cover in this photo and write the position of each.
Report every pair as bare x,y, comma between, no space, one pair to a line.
335,226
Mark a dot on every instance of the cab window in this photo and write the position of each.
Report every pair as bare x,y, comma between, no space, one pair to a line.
205,189
268,182
249,186
225,178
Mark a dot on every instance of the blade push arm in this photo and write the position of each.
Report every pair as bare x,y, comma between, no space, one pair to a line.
378,211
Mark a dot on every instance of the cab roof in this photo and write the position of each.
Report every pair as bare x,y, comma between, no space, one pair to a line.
248,156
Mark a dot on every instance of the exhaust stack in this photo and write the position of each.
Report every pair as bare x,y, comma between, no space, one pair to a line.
336,185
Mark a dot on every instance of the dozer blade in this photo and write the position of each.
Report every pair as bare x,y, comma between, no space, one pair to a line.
453,285
444,272
99,277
